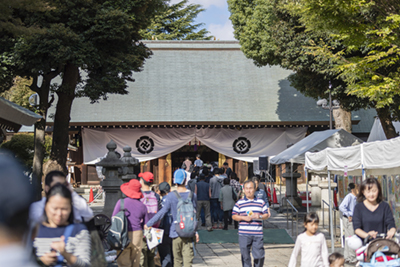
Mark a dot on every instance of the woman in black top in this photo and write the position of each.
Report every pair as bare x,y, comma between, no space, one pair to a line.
372,215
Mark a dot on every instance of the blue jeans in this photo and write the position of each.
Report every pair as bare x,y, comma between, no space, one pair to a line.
217,214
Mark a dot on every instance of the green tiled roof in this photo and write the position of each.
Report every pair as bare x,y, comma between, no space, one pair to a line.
207,81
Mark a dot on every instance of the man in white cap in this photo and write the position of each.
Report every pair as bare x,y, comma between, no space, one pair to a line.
182,247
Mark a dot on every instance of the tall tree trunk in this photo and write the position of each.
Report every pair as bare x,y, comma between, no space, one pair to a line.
40,127
66,95
38,156
386,120
342,119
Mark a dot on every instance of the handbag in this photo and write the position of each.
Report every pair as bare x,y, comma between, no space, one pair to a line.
234,196
384,263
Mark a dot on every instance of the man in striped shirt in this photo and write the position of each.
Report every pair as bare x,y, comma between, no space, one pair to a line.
250,212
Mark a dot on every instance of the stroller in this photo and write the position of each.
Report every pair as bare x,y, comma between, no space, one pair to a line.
389,247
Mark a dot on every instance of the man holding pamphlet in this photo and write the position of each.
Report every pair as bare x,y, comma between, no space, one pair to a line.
250,212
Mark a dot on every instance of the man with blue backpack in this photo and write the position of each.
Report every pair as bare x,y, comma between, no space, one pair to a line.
181,203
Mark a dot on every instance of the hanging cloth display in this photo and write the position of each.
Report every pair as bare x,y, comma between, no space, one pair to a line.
152,143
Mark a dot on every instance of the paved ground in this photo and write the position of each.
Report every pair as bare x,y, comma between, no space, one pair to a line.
229,254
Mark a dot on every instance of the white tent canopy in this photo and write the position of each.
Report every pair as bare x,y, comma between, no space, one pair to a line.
316,141
378,158
377,132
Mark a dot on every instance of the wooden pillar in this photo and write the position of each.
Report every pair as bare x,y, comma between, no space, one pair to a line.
144,166
161,168
84,176
168,169
221,159
153,168
242,171
229,160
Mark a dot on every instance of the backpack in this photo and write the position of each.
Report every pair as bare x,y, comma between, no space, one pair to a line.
151,203
117,235
186,221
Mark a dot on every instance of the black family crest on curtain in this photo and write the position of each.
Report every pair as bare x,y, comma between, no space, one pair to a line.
241,145
145,145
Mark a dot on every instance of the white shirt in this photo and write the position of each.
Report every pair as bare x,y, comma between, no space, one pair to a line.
314,252
81,209
15,256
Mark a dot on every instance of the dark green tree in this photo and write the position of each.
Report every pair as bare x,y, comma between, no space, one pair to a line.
93,46
176,22
22,146
270,33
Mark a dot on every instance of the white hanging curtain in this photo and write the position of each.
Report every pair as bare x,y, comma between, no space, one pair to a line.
146,144
152,143
249,144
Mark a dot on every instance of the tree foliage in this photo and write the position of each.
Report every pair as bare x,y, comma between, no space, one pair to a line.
93,46
176,22
20,92
11,22
22,146
371,27
271,33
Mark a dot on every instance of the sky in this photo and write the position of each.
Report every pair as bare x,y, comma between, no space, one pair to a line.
215,18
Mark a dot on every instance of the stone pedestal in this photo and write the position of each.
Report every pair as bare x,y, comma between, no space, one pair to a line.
291,185
315,191
324,185
112,182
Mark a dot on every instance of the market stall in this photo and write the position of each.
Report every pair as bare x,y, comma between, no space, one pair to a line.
380,159
316,141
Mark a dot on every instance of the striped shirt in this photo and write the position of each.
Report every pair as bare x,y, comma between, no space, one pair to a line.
78,243
242,208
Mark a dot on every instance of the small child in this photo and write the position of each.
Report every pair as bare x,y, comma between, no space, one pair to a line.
314,252
336,260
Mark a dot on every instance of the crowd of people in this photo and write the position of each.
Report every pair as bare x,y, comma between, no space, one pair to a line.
56,226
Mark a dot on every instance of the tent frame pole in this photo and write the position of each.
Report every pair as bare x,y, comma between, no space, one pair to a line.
306,174
291,174
330,213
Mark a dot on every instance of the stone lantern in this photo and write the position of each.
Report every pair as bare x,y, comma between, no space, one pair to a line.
291,184
127,171
112,182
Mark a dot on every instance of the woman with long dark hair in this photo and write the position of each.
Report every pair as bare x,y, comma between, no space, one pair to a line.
59,241
372,215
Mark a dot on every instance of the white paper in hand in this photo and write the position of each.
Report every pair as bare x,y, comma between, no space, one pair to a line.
156,237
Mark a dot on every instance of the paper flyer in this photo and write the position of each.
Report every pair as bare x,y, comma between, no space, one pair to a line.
250,213
156,237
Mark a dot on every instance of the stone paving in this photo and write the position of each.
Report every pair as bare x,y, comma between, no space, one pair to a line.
229,254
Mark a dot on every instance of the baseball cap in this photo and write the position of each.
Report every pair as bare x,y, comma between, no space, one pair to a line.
147,176
164,187
16,193
180,176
